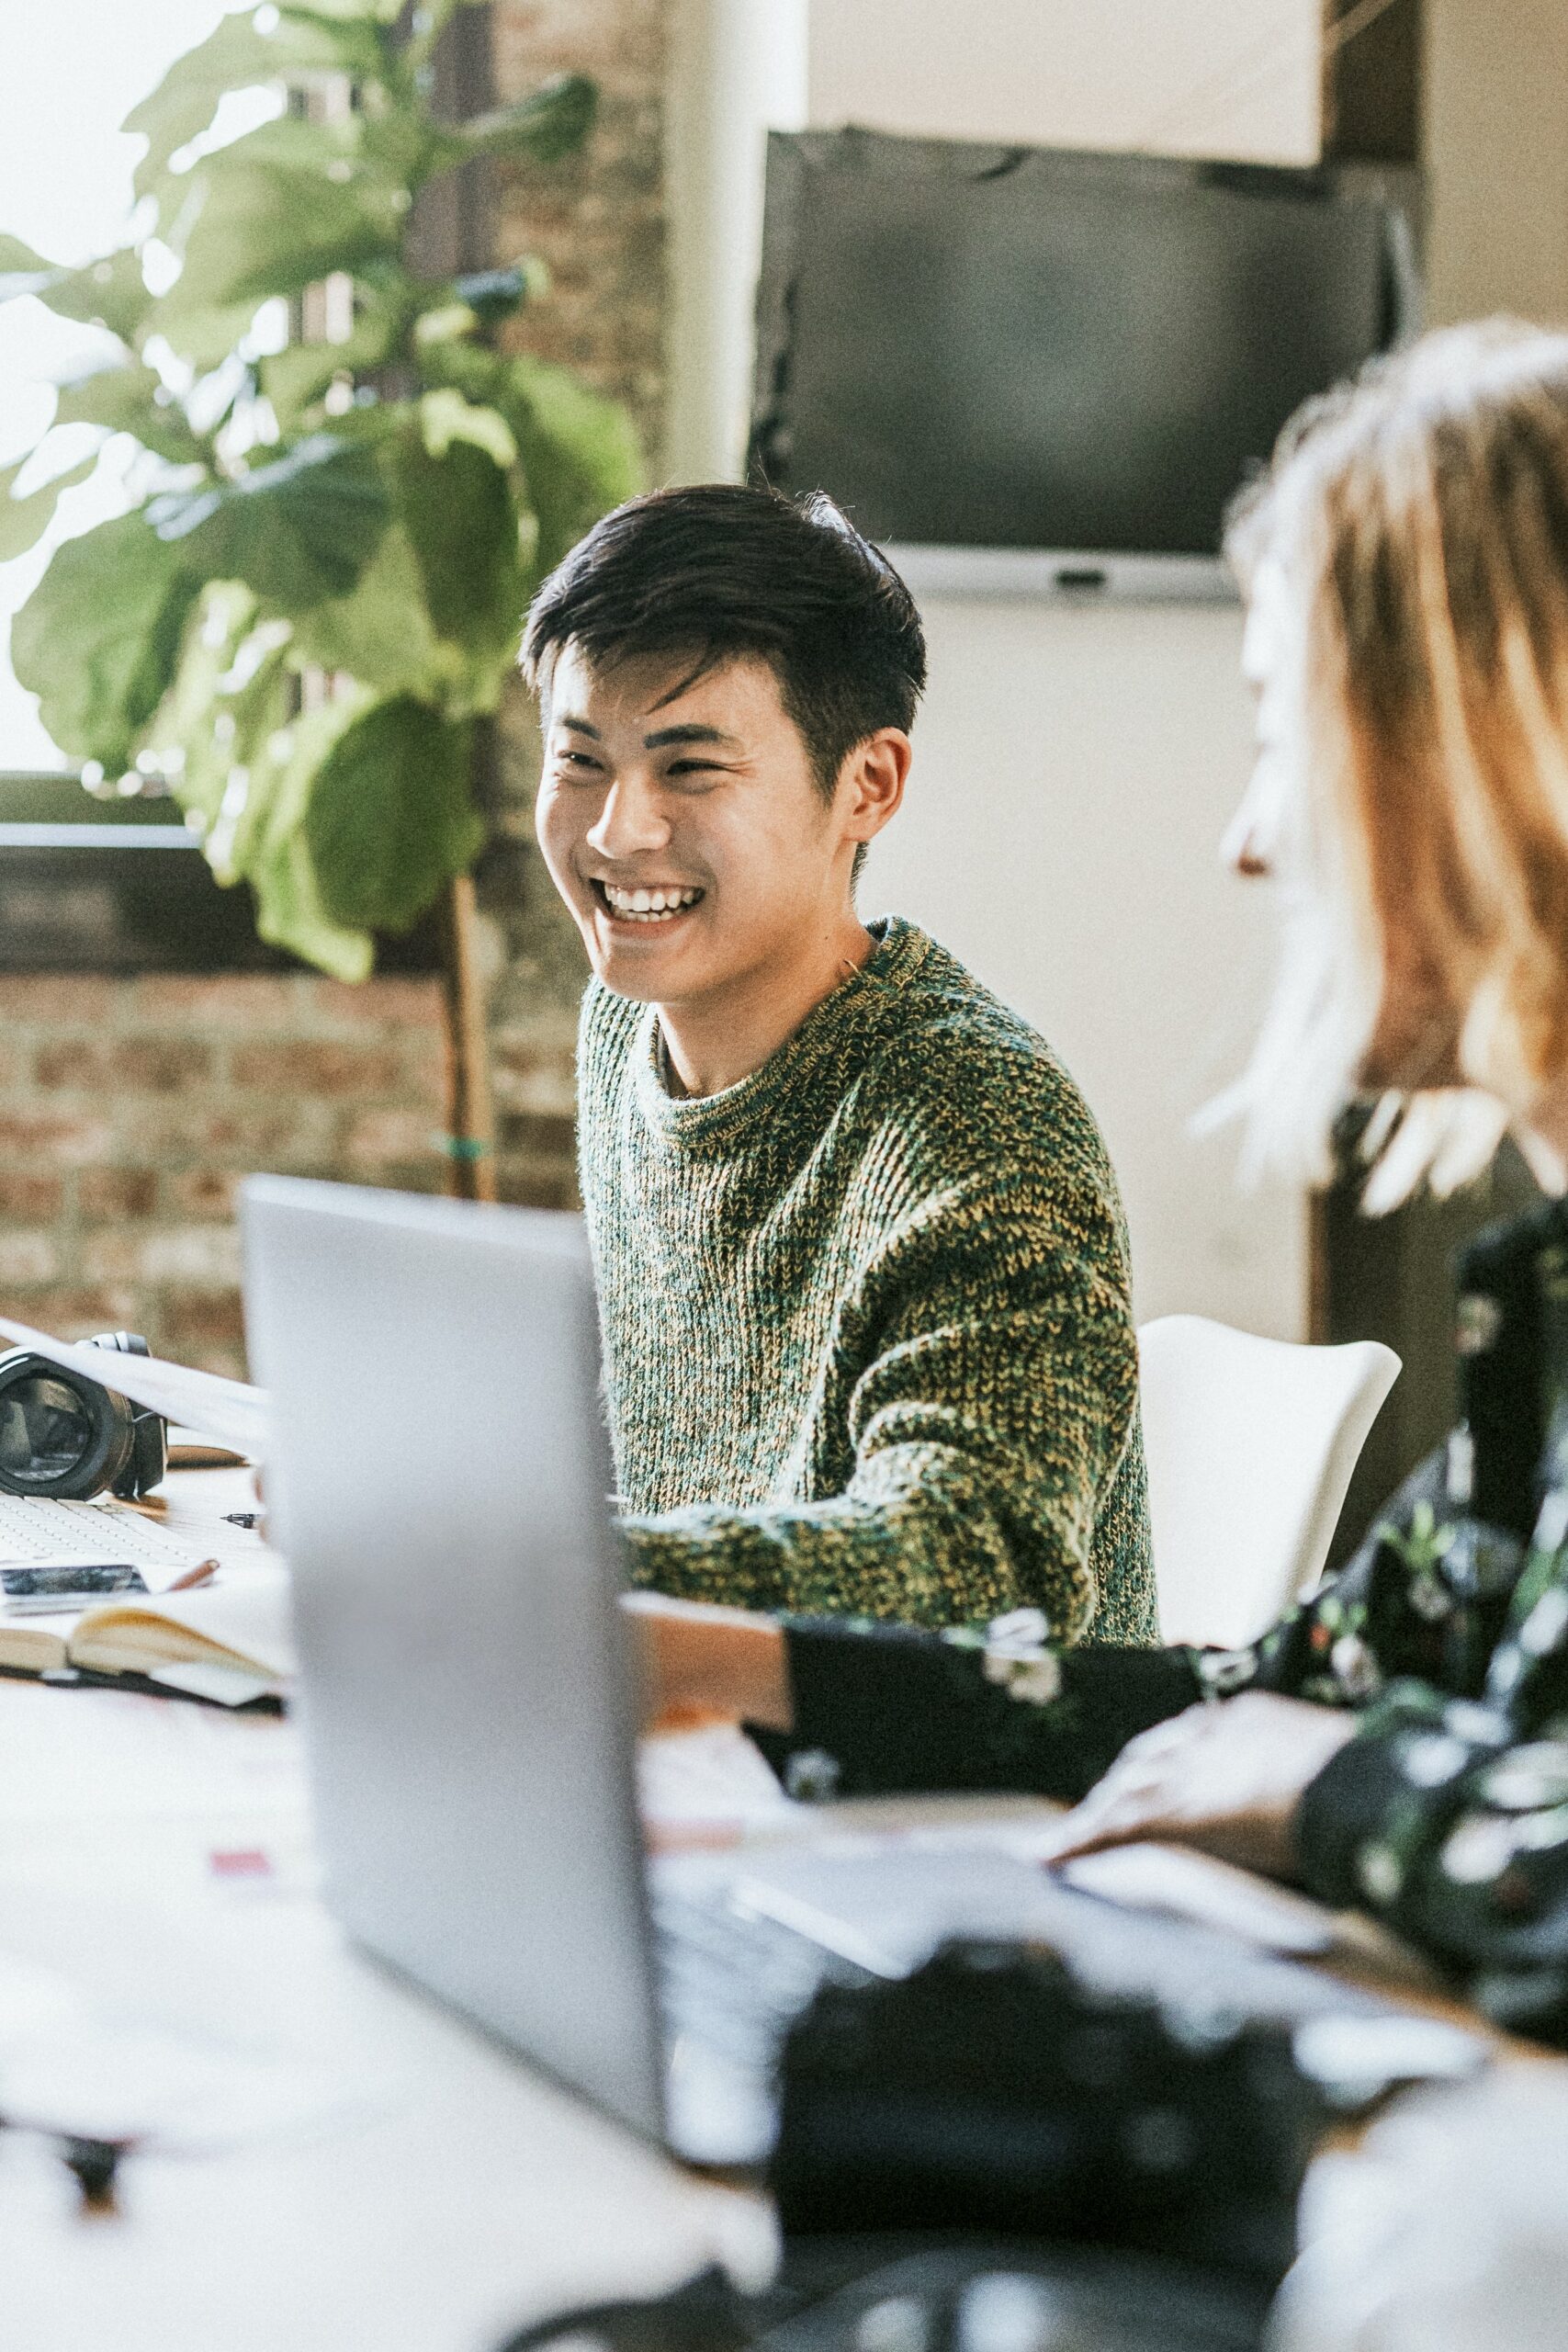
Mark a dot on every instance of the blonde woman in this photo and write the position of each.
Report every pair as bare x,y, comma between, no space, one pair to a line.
1402,1740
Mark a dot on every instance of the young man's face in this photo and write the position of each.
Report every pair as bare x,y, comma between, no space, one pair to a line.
683,826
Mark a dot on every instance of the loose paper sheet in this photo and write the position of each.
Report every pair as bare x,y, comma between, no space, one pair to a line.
228,1410
1151,1877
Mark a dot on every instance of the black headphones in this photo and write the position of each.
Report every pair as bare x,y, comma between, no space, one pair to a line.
68,1438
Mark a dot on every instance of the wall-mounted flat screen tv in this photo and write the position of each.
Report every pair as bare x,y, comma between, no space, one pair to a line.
1040,367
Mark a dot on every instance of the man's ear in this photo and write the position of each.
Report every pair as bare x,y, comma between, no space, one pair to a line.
871,783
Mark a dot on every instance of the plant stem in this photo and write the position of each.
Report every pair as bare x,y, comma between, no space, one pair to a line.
470,1118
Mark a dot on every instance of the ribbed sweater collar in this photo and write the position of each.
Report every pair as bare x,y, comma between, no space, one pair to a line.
712,1126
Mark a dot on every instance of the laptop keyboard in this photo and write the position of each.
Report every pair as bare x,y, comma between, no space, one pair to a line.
733,1978
40,1528
732,1981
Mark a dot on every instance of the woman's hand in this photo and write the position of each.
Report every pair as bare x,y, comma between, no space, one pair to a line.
699,1660
1227,1777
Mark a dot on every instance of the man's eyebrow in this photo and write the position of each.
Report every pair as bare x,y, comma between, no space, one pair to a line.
690,733
581,727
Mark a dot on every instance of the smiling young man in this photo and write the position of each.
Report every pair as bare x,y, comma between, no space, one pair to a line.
861,1266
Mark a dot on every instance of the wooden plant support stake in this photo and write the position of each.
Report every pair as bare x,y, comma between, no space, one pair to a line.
471,1116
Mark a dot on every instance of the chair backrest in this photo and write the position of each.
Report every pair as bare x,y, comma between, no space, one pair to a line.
1250,1445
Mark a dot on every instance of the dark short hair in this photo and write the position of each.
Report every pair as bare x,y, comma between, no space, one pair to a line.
716,570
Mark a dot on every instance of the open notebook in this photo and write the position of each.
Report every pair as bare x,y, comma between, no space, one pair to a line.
230,1640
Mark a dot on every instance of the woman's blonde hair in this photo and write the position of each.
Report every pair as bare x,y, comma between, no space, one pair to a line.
1416,526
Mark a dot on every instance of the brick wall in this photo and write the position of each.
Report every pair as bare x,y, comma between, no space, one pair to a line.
598,221
129,1109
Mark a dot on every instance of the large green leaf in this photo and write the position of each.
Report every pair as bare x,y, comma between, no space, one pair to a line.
295,378
437,611
239,54
381,633
111,290
549,123
182,737
296,532
446,415
24,521
458,510
22,271
110,396
381,12
289,912
211,735
99,638
481,375
241,763
262,230
329,149
131,399
250,715
580,452
390,817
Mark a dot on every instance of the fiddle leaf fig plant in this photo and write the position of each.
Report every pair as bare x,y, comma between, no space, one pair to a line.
316,593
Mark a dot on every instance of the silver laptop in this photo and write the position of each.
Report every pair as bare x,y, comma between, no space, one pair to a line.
440,1479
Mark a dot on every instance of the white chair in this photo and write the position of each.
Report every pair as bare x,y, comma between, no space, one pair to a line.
1250,1444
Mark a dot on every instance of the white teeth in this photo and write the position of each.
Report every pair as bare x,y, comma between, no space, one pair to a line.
647,906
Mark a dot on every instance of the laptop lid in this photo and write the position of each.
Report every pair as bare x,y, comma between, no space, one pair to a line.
439,1479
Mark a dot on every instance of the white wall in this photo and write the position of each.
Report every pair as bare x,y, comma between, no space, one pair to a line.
1074,769
1495,132
1199,77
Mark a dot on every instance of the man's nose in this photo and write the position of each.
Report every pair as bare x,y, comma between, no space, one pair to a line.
630,822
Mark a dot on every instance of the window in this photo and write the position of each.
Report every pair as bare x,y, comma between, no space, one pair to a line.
72,73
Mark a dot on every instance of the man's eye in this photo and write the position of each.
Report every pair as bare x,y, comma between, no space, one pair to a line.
694,767
576,760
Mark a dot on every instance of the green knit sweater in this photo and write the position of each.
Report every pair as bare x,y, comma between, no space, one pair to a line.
868,1341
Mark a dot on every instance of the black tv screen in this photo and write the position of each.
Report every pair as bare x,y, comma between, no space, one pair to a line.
1040,349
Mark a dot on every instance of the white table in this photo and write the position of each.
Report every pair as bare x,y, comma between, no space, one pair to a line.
156,1856
444,2195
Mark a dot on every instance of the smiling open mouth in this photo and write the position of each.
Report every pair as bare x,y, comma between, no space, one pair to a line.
661,905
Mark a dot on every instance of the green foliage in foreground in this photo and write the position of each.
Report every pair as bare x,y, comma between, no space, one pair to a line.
319,587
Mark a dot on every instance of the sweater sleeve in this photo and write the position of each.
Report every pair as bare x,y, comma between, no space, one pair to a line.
995,1409
889,1710
1448,1817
